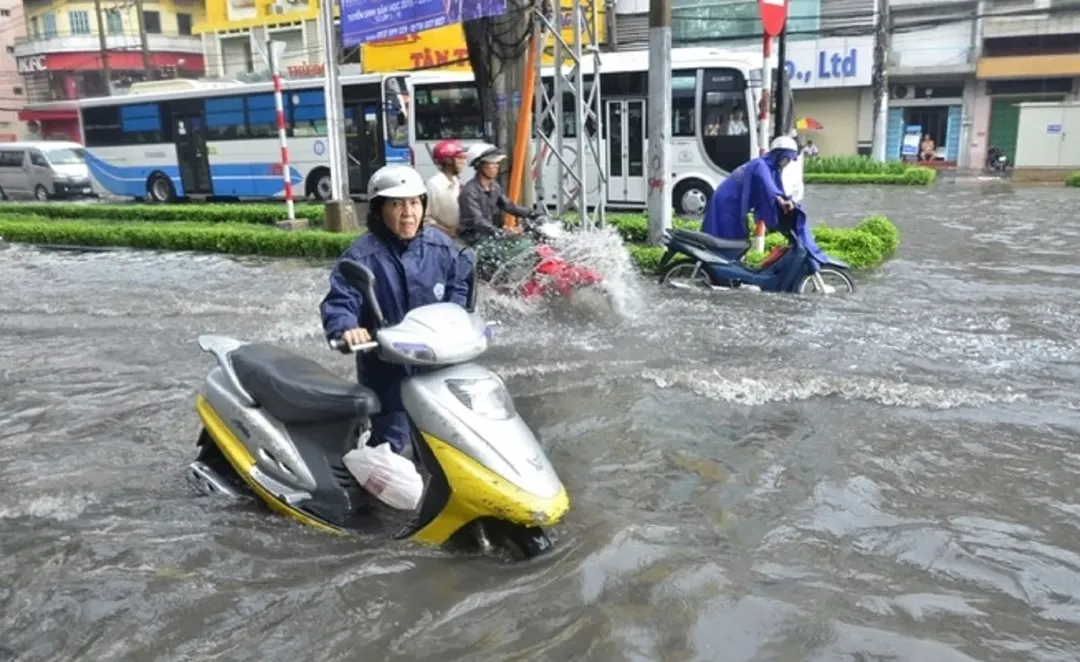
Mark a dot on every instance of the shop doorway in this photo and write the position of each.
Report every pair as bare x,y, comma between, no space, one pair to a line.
934,121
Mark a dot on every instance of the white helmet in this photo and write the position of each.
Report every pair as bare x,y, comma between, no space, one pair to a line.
396,181
784,142
483,152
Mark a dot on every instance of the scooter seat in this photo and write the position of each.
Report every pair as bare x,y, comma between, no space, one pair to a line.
294,389
709,241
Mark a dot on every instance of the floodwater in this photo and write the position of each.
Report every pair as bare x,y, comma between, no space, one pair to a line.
888,477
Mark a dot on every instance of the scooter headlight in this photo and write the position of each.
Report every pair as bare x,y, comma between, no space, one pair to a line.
415,351
486,397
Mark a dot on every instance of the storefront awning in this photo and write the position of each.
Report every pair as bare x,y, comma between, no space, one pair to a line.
27,114
1028,66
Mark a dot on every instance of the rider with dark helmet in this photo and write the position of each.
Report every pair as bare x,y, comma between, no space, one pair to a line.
413,266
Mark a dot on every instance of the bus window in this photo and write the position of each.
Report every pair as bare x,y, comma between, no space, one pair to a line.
307,112
448,111
225,119
101,126
683,103
725,121
396,100
261,116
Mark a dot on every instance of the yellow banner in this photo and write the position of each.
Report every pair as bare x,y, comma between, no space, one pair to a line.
442,47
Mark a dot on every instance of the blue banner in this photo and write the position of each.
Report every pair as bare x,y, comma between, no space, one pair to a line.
374,20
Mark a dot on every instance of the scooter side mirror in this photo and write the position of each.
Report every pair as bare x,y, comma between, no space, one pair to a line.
361,278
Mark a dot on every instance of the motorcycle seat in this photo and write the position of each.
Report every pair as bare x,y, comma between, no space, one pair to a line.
709,241
294,389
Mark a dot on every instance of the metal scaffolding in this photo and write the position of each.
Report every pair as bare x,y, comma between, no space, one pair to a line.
580,176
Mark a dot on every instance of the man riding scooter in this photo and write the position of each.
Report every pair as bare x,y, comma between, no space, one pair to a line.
481,206
413,266
444,187
757,186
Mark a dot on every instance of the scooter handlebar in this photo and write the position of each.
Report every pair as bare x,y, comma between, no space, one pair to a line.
341,346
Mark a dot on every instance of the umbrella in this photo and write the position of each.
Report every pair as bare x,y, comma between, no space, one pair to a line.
808,124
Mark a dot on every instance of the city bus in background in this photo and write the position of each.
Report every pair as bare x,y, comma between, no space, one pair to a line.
180,138
714,103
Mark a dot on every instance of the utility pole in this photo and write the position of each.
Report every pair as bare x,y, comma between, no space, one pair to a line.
340,214
104,47
148,64
781,85
880,80
659,105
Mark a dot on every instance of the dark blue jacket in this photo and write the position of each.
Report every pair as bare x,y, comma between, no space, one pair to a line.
427,269
752,186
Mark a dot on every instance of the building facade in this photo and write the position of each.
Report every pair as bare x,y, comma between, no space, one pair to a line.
12,92
60,58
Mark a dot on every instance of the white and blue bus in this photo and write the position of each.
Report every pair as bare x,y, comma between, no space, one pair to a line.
204,139
714,102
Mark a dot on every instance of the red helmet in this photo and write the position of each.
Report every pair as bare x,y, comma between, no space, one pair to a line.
447,150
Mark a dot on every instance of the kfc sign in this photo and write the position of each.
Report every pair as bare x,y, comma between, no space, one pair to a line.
31,63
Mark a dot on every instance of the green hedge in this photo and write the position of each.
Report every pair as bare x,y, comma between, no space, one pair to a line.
863,170
1073,179
864,246
265,214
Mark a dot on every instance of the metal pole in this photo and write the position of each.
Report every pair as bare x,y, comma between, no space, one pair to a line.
659,114
758,243
279,107
335,111
148,64
781,85
580,115
104,48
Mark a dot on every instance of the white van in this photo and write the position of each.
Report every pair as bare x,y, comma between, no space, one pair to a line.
43,171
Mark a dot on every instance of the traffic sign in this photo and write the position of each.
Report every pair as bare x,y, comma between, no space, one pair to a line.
773,15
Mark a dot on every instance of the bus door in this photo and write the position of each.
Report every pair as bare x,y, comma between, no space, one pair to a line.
624,122
363,143
189,132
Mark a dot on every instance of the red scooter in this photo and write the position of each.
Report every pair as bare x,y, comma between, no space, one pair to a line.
540,271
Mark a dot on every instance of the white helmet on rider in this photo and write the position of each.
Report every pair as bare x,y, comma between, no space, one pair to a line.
784,143
396,181
483,153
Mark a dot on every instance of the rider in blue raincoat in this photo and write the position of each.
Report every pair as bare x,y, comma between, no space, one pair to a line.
754,186
414,266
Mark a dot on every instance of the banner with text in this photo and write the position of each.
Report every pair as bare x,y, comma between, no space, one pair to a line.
363,21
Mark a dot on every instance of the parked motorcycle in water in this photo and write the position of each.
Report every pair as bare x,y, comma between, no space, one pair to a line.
997,161
800,267
278,425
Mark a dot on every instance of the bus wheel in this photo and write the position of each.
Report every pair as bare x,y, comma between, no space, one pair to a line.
160,188
320,185
691,197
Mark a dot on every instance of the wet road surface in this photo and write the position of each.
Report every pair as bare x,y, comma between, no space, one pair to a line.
887,477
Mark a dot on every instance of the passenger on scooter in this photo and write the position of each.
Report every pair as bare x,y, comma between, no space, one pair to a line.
756,186
413,266
482,205
444,187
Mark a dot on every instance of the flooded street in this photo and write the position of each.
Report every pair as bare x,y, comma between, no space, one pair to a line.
891,476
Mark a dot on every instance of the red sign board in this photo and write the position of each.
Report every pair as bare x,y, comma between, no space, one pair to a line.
773,15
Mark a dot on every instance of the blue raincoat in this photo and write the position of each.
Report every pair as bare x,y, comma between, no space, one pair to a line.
752,186
427,269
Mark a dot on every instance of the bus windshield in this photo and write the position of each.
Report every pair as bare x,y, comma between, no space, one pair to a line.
66,156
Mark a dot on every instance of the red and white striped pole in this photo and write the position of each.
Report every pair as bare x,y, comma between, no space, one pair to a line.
763,128
279,107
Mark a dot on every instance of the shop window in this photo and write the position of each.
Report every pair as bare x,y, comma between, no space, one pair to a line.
79,22
10,49
152,22
5,12
17,91
49,21
183,24
448,111
35,28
